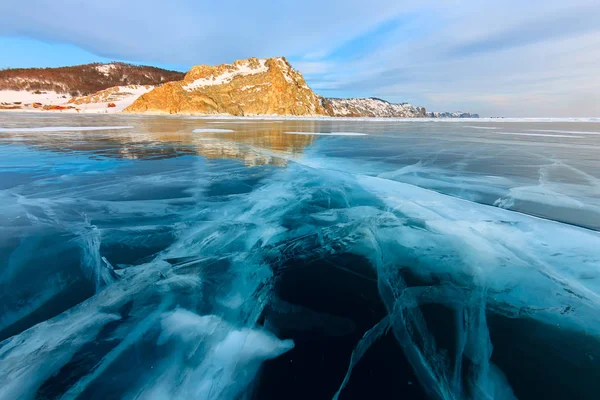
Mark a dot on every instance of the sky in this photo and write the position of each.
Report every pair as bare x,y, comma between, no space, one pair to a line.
534,58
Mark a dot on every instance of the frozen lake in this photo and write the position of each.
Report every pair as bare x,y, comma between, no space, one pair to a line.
173,257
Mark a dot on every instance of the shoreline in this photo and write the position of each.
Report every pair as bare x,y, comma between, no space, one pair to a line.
304,118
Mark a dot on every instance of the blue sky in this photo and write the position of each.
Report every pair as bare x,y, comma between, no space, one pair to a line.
497,58
35,53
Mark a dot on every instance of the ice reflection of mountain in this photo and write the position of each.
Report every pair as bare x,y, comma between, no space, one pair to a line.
262,147
217,148
152,138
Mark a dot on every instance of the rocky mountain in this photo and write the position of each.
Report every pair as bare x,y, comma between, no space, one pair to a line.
452,115
371,107
378,108
246,87
262,87
82,80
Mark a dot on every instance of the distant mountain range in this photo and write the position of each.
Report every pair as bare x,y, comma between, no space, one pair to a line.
245,88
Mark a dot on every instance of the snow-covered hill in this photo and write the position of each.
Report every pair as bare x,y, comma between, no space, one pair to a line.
111,100
83,80
371,107
114,99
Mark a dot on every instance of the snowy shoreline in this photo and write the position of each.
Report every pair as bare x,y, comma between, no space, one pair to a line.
306,118
123,96
109,101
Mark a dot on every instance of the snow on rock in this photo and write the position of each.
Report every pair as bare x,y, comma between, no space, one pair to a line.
246,87
229,72
458,114
371,107
286,67
106,69
377,108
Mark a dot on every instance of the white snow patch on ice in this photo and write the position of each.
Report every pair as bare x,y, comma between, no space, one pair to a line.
538,134
210,130
327,133
560,131
481,127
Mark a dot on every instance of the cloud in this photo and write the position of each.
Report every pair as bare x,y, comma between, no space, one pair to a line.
534,58
537,59
537,29
192,31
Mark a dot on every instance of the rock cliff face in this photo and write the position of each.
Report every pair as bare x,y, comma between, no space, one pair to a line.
247,87
262,87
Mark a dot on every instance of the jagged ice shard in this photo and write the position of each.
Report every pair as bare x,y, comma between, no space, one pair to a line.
257,264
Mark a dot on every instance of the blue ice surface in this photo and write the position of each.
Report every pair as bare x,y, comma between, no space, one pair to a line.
150,257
